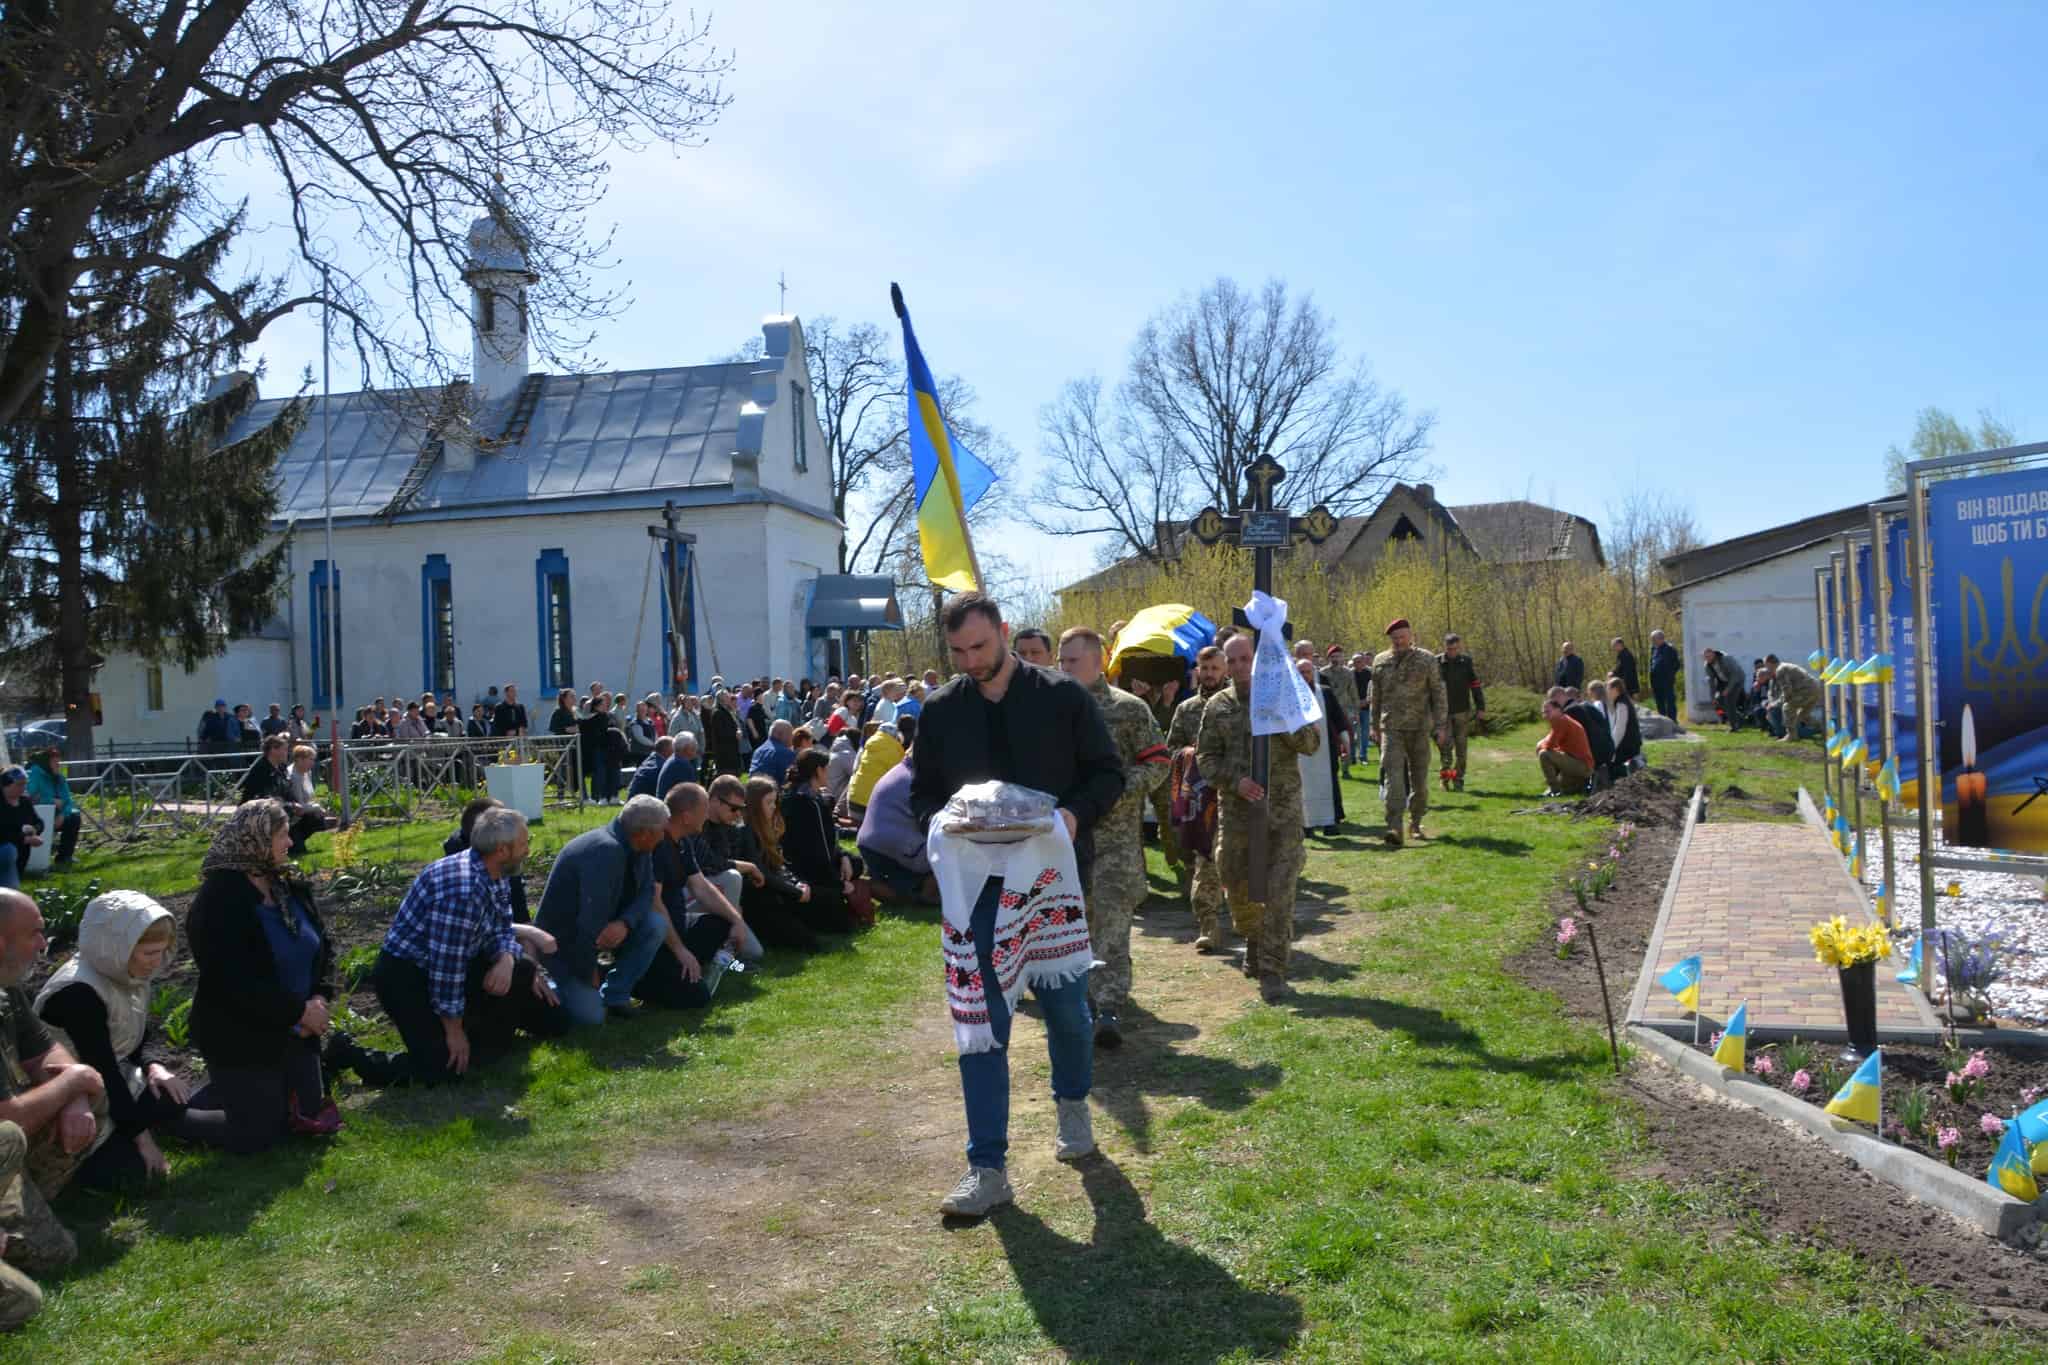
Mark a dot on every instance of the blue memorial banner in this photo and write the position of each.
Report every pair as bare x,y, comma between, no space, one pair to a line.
1989,539
1905,653
1866,649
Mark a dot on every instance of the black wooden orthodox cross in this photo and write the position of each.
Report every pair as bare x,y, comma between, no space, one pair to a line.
1261,528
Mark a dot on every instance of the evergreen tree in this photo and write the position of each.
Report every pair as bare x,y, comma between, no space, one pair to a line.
125,521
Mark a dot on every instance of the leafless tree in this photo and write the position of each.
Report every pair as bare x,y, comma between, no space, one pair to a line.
1644,529
857,381
392,121
1214,383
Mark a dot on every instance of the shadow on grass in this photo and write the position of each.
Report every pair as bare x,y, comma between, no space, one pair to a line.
1150,1063
1434,1029
1487,843
1128,1293
216,1196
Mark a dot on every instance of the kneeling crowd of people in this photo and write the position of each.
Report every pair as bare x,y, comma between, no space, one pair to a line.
651,910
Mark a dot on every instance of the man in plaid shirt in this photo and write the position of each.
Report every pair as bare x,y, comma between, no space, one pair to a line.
452,976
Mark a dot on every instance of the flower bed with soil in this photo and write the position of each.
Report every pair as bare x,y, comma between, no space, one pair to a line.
1936,1100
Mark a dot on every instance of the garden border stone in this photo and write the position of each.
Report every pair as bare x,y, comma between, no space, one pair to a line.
1965,1197
1639,999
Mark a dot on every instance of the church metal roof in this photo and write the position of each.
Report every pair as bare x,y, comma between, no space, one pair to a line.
589,435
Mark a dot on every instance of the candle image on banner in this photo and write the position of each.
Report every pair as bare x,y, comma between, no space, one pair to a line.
1989,542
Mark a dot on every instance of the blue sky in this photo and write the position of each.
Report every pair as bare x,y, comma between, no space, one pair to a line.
1730,253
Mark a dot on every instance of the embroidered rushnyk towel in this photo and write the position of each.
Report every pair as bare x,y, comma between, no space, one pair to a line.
1041,936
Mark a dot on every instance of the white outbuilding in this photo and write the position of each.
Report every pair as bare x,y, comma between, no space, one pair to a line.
497,531
1753,596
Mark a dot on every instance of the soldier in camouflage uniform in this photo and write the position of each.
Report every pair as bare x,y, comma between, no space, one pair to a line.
34,1166
1225,751
1115,885
1794,689
1408,705
1205,888
1162,707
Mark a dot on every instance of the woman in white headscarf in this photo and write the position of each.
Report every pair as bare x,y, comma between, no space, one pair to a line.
99,1001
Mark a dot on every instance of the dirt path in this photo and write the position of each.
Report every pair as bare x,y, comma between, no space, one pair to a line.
823,1205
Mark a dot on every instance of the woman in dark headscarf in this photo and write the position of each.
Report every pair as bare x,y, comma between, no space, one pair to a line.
266,983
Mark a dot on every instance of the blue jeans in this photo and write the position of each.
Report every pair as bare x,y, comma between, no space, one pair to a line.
985,1076
10,867
646,930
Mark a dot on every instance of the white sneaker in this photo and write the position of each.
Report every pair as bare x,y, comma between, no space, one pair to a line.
981,1190
725,961
1077,1131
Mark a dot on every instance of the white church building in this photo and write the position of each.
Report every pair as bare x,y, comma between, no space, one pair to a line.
496,531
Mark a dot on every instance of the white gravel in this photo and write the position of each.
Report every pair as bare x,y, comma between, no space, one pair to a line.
2015,902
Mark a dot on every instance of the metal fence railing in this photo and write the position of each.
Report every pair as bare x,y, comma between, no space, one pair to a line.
121,799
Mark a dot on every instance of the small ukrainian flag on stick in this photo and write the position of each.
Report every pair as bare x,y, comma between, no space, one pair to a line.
2011,1170
1911,975
1734,1039
1683,981
1888,780
1856,859
1861,1096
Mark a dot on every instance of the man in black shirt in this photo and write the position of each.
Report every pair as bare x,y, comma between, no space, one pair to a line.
509,719
1000,720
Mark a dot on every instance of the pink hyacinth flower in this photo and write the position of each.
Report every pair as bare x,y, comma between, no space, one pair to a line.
1978,1067
1992,1125
1764,1065
1947,1138
1801,1081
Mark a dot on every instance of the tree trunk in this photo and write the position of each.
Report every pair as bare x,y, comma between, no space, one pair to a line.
67,543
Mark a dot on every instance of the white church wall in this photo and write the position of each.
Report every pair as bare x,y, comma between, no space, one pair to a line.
812,484
254,671
1765,609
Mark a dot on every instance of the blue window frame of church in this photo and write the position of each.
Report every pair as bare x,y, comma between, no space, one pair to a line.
799,430
437,626
326,614
551,599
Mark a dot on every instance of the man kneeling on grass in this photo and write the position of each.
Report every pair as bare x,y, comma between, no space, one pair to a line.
457,976
600,899
704,928
1565,756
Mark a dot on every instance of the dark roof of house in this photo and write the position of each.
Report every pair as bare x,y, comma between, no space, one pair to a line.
1523,532
1739,552
1517,532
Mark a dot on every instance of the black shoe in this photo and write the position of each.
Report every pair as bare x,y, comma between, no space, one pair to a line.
381,1070
623,1011
1107,1033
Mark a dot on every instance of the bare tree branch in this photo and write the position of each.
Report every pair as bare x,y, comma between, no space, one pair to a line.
395,122
1216,382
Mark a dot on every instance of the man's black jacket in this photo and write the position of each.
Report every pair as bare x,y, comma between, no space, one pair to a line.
1046,733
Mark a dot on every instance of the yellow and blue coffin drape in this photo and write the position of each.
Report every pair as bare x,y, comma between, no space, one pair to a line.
1160,642
947,478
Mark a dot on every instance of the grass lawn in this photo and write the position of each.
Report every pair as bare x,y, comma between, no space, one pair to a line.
1417,1158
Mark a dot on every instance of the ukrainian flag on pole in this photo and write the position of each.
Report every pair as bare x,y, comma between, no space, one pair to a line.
1683,981
947,479
1734,1039
1858,1097
2011,1171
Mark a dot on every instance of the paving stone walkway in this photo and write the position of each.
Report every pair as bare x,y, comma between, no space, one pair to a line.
1746,896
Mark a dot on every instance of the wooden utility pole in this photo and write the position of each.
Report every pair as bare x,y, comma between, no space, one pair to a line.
1261,528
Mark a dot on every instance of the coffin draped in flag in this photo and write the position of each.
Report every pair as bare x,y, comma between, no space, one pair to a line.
947,479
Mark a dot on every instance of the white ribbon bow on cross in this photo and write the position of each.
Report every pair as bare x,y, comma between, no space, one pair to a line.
1282,702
